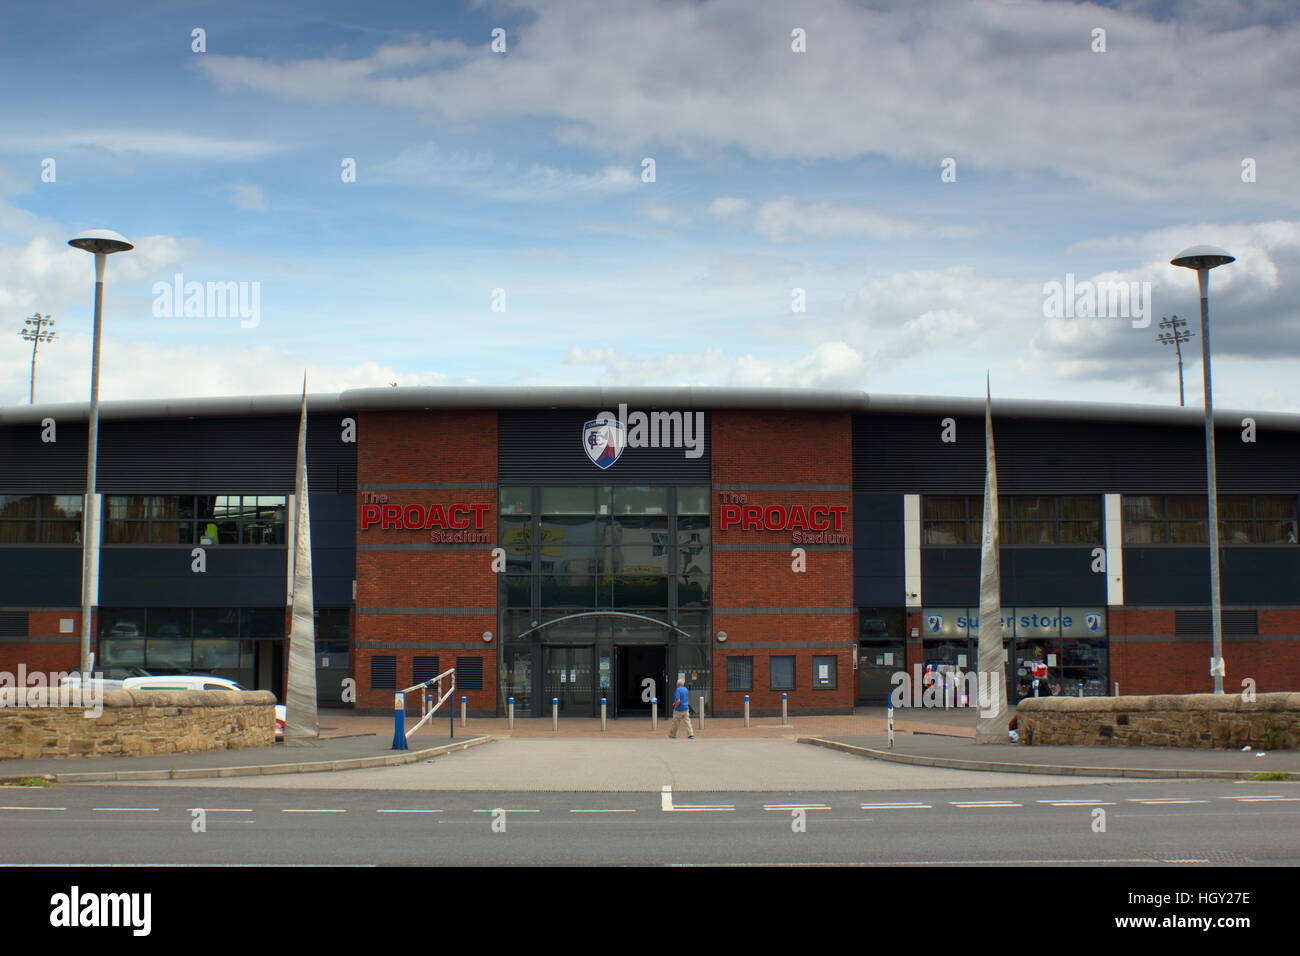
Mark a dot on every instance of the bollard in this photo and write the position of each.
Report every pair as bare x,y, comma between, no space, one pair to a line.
785,719
701,712
399,722
464,710
1116,688
654,713
889,719
555,713
510,712
1080,688
746,710
602,713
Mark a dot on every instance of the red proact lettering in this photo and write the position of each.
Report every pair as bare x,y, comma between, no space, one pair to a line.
480,515
437,519
392,516
751,517
369,515
797,517
839,511
774,517
730,514
819,518
413,516
453,511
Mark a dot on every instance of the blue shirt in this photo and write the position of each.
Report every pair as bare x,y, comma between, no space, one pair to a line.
683,697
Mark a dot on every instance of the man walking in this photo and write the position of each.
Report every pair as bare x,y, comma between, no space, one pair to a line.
681,711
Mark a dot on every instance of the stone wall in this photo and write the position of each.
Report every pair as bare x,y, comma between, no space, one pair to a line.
1270,722
136,723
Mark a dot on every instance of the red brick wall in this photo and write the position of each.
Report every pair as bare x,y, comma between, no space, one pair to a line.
782,448
425,447
1182,666
44,656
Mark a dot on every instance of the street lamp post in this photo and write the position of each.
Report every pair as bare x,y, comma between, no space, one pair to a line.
1203,259
103,243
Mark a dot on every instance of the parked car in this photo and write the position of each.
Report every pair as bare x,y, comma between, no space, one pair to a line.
196,682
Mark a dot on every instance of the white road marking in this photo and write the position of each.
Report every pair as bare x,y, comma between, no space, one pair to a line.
1079,803
218,810
982,804
1161,801
795,806
408,811
313,811
33,808
602,811
666,804
506,810
1264,799
125,809
897,806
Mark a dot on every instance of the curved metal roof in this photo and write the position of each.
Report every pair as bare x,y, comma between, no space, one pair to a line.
601,398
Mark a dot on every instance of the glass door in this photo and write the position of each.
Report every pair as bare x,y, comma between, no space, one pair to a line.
568,677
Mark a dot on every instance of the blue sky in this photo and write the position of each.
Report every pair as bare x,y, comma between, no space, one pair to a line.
775,170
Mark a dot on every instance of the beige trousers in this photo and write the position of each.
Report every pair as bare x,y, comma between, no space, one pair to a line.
681,717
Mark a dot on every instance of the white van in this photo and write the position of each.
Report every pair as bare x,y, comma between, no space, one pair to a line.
195,682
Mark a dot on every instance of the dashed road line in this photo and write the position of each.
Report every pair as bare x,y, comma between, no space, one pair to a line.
33,808
412,810
125,810
983,804
504,810
795,806
1161,801
897,806
602,811
312,810
1079,803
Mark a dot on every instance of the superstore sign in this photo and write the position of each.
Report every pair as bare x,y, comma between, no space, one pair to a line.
447,524
807,524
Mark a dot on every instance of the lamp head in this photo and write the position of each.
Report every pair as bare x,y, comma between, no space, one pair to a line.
1202,257
101,240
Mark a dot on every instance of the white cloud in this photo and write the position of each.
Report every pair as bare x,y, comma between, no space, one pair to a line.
249,197
169,143
427,164
997,86
786,218
728,206
827,365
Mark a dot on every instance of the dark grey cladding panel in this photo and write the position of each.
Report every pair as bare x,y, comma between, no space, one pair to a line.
950,576
1255,575
40,577
253,455
545,447
904,454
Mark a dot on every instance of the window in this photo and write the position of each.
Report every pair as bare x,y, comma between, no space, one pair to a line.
740,673
195,519
782,673
824,673
43,519
1029,520
1182,519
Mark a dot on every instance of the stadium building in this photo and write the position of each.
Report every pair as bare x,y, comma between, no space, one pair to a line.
575,543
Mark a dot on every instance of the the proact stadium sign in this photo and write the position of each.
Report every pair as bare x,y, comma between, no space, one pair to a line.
807,524
447,524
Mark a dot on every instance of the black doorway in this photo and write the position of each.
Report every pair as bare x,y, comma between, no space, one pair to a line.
638,664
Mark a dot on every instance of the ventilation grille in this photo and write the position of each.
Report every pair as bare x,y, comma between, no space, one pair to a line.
13,623
1196,623
423,669
383,673
469,673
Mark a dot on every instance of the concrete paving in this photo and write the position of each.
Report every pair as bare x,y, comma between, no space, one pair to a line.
957,753
620,765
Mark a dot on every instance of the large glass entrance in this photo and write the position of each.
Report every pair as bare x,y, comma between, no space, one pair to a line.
567,677
642,676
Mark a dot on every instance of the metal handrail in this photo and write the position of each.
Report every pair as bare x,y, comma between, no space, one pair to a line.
400,733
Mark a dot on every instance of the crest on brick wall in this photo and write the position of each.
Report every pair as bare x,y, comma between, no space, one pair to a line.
604,440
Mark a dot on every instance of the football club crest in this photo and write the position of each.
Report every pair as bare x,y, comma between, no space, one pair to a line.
935,621
604,440
1093,621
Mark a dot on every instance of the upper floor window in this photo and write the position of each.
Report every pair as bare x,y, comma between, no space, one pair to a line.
40,519
1182,519
195,519
1023,519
